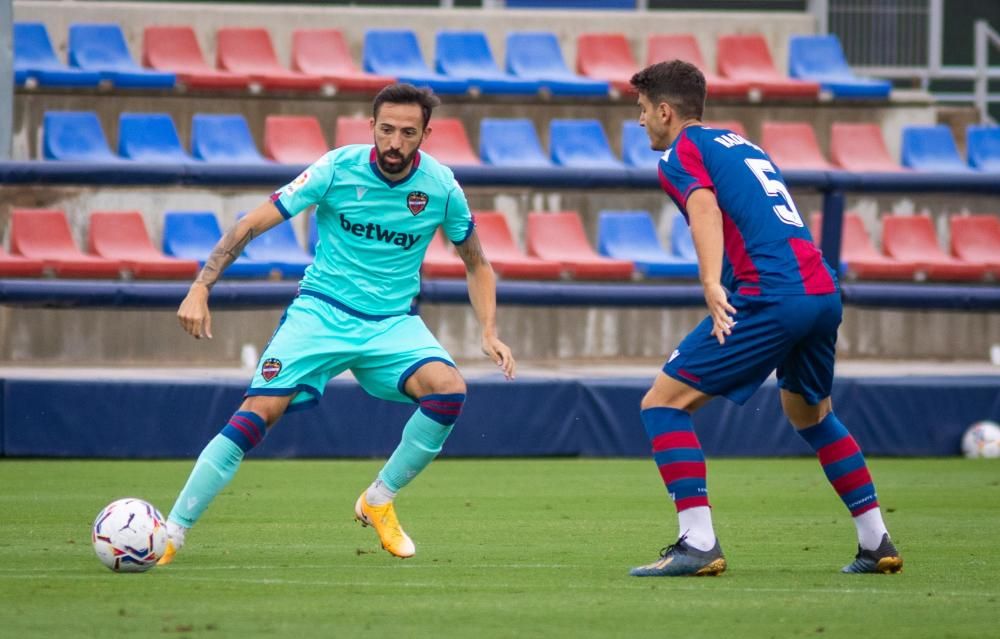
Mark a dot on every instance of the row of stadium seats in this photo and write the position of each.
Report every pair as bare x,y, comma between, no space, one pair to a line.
557,246
226,139
321,60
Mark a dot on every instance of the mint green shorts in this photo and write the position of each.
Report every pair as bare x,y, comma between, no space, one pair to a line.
318,339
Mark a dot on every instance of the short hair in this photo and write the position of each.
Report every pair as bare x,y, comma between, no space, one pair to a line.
403,93
678,83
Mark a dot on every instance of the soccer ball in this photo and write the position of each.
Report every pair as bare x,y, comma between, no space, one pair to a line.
129,535
982,439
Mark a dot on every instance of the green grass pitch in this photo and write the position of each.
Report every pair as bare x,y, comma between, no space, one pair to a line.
505,548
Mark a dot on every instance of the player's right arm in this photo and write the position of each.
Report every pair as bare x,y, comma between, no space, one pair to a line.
193,312
705,218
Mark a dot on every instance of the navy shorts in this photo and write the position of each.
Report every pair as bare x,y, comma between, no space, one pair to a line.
795,334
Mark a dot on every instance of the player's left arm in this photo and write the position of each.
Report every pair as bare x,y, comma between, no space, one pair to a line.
705,218
483,296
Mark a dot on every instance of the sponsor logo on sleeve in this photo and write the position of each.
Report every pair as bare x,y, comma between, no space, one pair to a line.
297,183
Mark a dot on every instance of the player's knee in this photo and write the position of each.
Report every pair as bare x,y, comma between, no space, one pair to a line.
801,413
268,408
444,408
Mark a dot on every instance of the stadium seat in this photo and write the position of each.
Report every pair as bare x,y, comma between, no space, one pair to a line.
858,256
536,56
324,53
440,261
449,143
396,52
280,248
193,234
176,49
313,234
102,48
223,139
249,51
976,239
931,148
636,151
581,144
747,58
559,237
793,145
19,266
43,234
352,130
983,145
35,60
75,136
860,147
294,139
511,142
505,256
149,137
122,236
733,125
630,235
681,242
820,58
683,46
606,56
912,238
467,55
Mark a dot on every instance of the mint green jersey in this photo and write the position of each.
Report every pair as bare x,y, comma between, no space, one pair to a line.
373,233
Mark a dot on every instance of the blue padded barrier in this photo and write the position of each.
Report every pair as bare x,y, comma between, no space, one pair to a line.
467,55
820,58
150,137
631,235
537,56
35,58
102,48
396,53
511,142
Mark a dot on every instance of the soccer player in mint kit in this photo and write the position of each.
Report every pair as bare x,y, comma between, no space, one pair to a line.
781,311
377,208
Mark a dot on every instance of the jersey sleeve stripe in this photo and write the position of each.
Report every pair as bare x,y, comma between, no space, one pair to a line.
276,200
691,160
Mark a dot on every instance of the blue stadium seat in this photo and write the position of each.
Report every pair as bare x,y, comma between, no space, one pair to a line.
223,139
313,234
466,54
820,58
75,136
681,242
630,235
149,137
581,144
102,48
280,247
193,234
536,56
396,52
635,147
983,144
35,59
510,142
931,148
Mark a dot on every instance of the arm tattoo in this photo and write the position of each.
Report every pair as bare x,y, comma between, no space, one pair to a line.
225,253
471,252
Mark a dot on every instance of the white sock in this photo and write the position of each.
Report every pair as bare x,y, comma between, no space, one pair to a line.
379,494
870,528
696,525
176,533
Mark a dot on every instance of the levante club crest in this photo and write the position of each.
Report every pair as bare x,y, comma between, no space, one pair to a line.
416,201
270,369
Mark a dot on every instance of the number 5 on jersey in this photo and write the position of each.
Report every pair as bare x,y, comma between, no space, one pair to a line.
786,212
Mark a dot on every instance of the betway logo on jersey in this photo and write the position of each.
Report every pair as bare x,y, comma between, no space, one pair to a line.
374,231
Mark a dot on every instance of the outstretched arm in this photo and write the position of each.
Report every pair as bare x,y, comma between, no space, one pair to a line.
193,312
706,230
483,296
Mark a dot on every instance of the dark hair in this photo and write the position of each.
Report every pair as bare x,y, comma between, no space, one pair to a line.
403,93
680,84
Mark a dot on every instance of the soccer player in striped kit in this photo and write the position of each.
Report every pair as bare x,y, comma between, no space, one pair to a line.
773,304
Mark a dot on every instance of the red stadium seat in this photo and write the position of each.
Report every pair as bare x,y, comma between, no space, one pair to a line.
122,236
440,261
793,145
352,130
912,238
18,266
606,56
733,125
860,147
449,143
504,255
747,58
176,50
683,46
324,53
294,139
976,238
250,51
559,237
862,259
44,235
